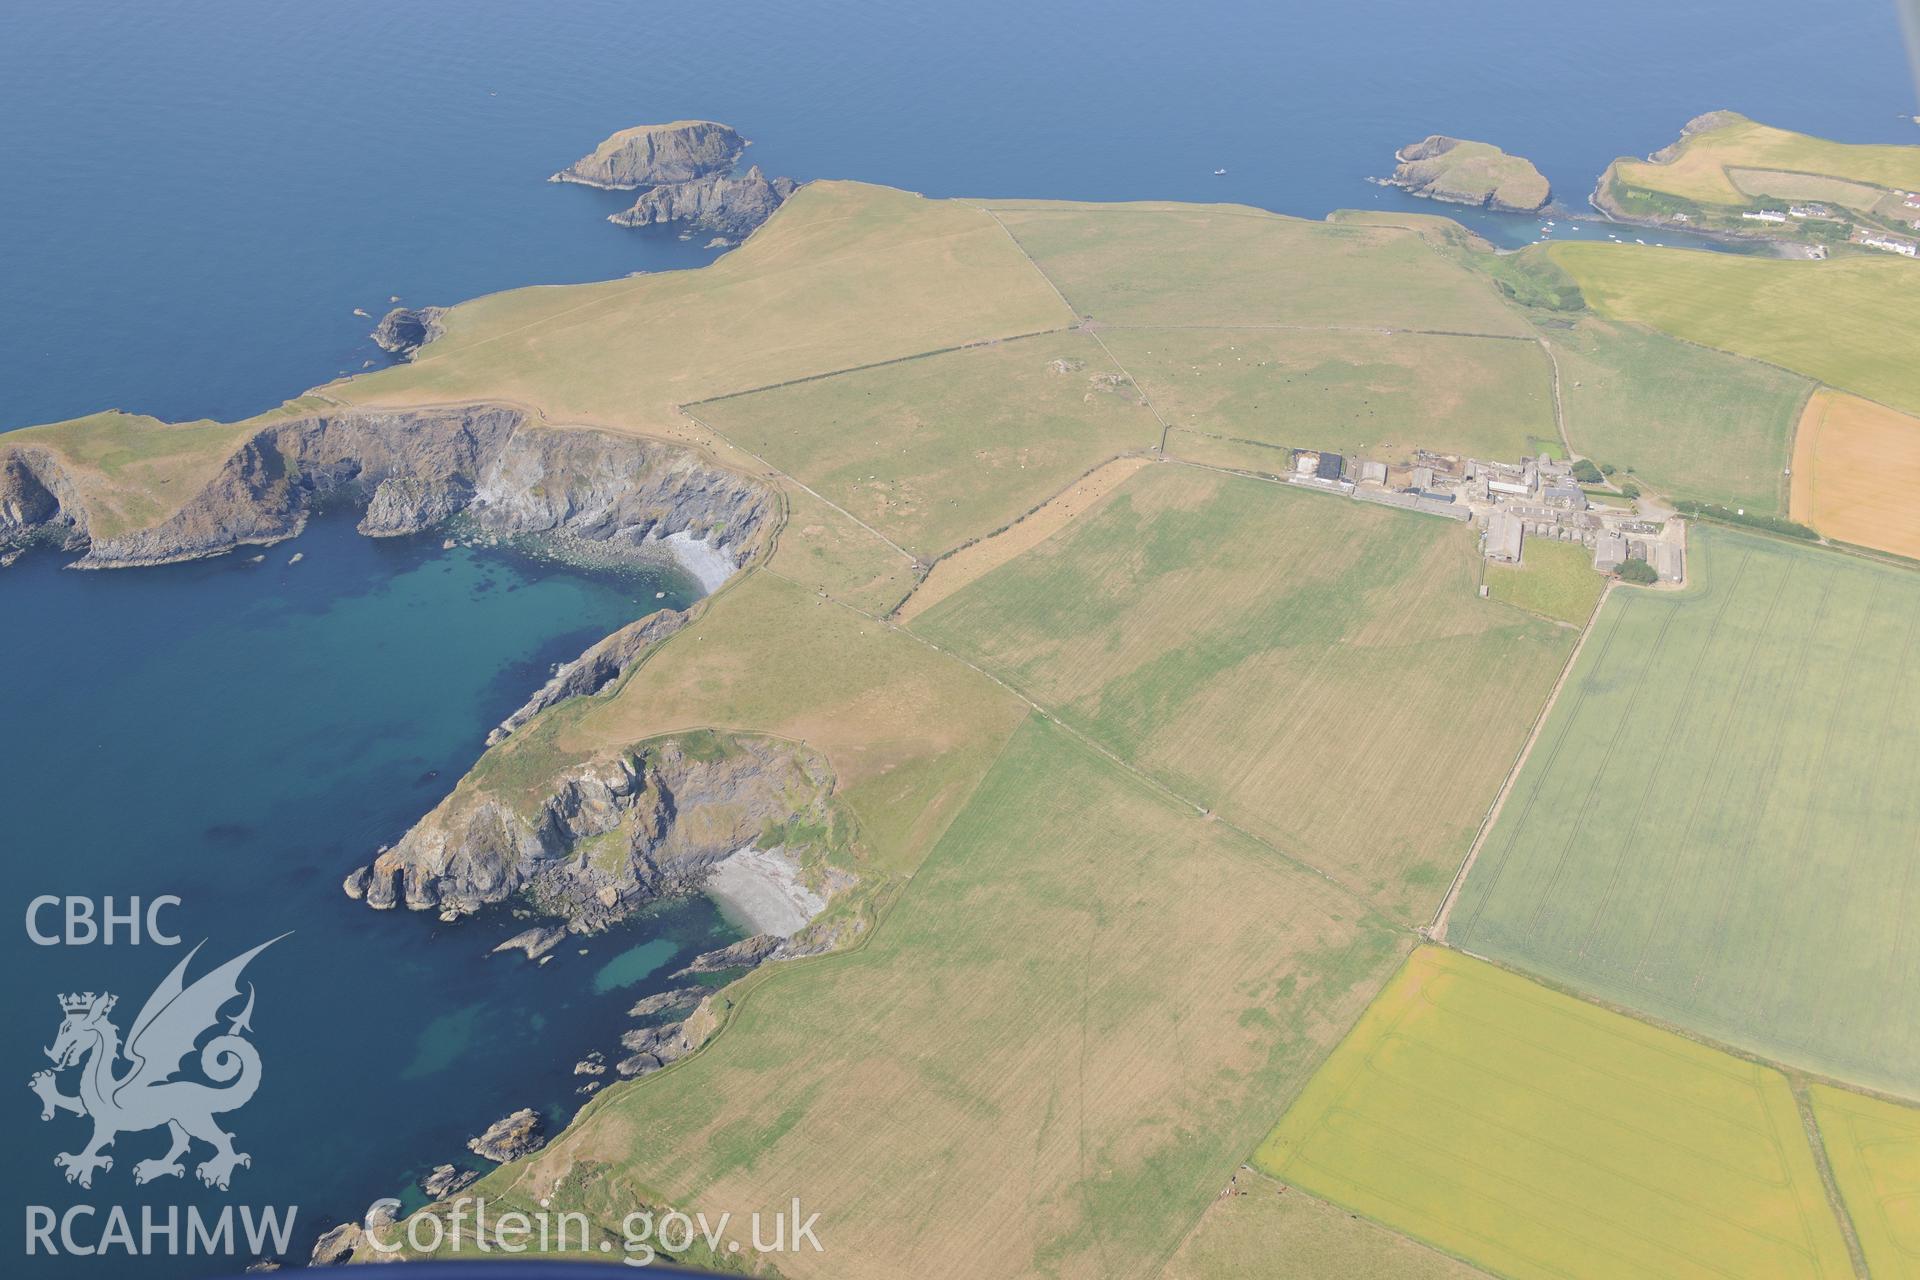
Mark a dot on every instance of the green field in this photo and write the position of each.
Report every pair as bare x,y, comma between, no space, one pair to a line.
1226,265
1718,165
1874,1148
1076,1020
1554,579
1846,322
1686,421
1377,395
1543,1137
1275,1232
937,451
1716,824
1319,670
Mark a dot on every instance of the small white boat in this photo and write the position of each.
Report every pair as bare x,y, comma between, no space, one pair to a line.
1219,173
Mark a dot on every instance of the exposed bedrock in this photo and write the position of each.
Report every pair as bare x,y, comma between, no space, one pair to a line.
599,667
654,153
721,205
618,496
38,502
404,330
604,837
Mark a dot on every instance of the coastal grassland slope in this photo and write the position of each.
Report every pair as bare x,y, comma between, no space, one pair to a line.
1172,264
908,733
1688,421
1874,1148
1856,465
1731,159
1539,1136
823,549
1078,1016
1716,824
1379,395
843,275
1845,322
1318,670
937,451
1265,1228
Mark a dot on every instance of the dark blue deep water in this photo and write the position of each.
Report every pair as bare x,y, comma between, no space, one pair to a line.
197,197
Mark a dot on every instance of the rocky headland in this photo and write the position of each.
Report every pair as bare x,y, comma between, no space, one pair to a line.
1458,171
650,154
510,1137
604,837
489,466
404,330
724,206
599,668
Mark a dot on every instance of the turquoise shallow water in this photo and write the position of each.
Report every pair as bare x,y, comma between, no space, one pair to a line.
198,197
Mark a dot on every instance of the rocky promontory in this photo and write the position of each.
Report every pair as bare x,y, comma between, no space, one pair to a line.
404,330
605,836
722,205
599,667
509,1138
650,154
1457,171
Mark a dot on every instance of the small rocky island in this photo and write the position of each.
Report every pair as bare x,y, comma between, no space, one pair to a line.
686,169
1473,173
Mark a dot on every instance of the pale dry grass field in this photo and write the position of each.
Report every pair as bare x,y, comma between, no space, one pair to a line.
1855,465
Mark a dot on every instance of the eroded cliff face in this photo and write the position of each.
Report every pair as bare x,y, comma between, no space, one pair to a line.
603,663
721,205
655,153
606,836
404,330
411,470
37,503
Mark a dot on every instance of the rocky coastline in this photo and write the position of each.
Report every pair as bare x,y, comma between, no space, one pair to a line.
1457,171
504,476
724,206
650,154
404,330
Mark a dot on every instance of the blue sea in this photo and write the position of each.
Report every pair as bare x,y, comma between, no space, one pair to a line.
197,198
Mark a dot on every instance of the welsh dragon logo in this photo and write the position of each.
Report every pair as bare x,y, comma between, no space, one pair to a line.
145,1095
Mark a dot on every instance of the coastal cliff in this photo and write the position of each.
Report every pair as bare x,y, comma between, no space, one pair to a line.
605,836
721,205
600,666
650,154
607,497
404,330
1472,173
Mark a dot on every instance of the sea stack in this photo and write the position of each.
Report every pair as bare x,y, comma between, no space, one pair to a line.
650,154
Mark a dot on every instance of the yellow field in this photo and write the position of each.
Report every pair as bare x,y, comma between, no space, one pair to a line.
1699,171
1223,265
1874,1148
1374,394
1077,1018
1319,670
1543,1137
1855,468
940,450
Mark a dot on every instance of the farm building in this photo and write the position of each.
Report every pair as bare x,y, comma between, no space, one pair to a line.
1765,215
1567,495
1668,561
1505,533
1610,552
1373,472
1423,478
1329,466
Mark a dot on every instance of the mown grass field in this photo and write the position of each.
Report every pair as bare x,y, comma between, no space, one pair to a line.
1716,824
1689,422
1373,394
937,451
844,274
1316,669
1543,1137
1874,1148
1276,1232
1056,1050
1845,322
1168,264
1700,171
1553,579
1855,467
